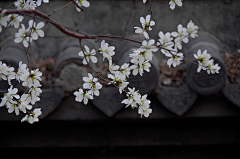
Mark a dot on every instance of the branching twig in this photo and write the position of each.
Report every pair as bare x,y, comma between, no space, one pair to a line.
63,29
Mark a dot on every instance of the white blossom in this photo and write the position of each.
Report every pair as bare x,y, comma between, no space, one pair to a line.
202,57
147,22
146,25
88,55
6,73
82,96
3,20
23,36
125,70
119,80
92,84
81,3
165,42
19,4
180,35
112,67
95,89
33,95
144,106
173,3
39,2
8,97
205,63
32,79
138,57
147,46
164,38
30,5
175,59
106,50
136,69
89,81
133,98
144,110
21,71
36,29
214,68
146,65
192,29
15,20
25,4
141,32
23,103
33,117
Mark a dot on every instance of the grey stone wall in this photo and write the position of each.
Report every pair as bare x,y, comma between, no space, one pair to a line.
220,18
211,121
110,17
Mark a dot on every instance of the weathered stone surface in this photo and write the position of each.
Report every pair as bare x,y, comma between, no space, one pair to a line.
204,83
49,47
232,93
176,99
50,99
109,101
69,56
71,110
70,77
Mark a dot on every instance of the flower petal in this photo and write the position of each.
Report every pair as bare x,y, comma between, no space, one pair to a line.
40,33
94,59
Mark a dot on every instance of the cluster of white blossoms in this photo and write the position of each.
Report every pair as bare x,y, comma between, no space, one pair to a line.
13,19
142,56
168,43
91,87
137,101
118,75
28,4
24,35
171,43
13,101
205,63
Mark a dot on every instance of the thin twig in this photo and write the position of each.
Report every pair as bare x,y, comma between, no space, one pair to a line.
130,14
150,9
77,5
56,10
29,44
